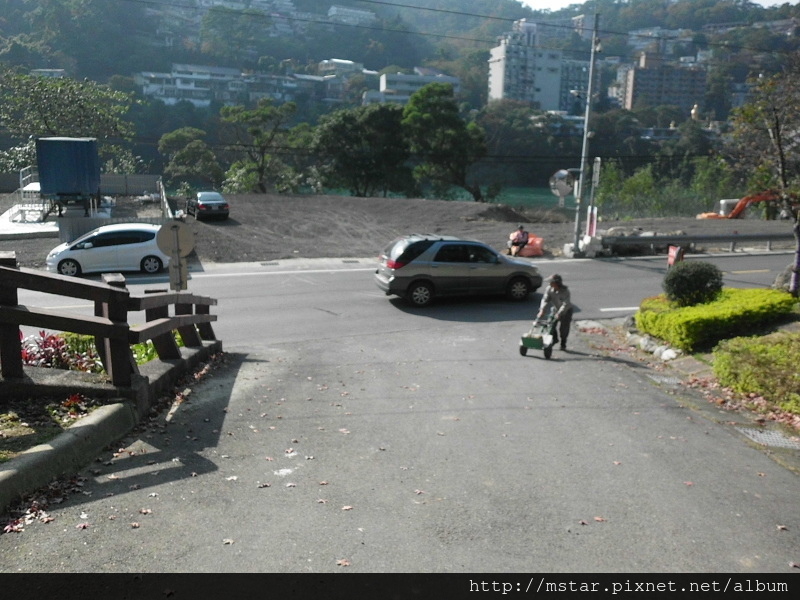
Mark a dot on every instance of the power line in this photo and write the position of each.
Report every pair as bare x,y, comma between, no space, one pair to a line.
601,32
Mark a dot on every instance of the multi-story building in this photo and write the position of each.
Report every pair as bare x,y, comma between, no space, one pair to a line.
192,83
53,73
399,87
659,38
338,66
655,82
519,69
522,68
202,85
350,16
574,86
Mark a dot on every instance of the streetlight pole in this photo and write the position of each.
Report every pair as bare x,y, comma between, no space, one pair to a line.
585,148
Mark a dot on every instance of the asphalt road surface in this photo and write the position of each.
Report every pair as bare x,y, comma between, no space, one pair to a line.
349,432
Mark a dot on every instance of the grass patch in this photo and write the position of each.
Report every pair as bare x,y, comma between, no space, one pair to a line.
28,422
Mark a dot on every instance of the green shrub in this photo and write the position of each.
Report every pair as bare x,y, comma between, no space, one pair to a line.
734,312
765,365
692,282
76,352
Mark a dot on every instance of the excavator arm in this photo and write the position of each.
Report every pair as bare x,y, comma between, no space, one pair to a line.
741,206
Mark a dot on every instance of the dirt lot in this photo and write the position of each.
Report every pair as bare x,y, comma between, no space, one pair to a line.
269,227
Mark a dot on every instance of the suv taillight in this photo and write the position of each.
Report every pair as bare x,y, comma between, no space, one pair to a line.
395,264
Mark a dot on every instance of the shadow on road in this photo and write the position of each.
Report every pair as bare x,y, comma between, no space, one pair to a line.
475,309
169,446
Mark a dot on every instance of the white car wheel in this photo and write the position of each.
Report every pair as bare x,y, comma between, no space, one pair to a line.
151,264
69,267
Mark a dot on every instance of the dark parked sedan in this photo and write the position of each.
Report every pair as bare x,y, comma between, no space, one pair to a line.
208,205
420,267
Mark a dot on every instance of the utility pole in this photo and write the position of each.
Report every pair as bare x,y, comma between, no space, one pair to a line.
585,148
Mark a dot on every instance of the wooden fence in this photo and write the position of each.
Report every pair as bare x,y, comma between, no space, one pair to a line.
113,335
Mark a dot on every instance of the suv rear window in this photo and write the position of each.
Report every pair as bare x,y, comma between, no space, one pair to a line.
405,250
414,250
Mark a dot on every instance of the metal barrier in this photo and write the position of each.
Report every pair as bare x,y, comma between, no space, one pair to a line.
688,241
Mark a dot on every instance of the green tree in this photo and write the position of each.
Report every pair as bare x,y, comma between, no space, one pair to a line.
364,150
676,157
32,106
91,38
714,179
46,106
617,134
256,140
764,142
189,157
17,158
445,145
526,146
233,34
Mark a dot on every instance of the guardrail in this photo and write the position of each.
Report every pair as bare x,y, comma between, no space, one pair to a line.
688,241
109,324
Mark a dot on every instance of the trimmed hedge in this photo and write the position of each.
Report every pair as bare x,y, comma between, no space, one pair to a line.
766,366
734,312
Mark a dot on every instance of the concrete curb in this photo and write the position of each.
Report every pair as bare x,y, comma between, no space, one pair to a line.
84,440
66,453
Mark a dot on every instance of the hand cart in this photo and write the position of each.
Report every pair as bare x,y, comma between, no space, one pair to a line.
540,337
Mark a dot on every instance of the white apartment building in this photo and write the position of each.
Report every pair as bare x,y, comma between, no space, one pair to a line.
519,69
350,16
52,73
192,83
399,87
338,66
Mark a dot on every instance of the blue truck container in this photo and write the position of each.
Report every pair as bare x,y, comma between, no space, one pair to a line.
69,168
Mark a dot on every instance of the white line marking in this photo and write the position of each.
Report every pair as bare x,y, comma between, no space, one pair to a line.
296,272
619,308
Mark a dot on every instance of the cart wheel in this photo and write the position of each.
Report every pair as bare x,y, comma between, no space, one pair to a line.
548,351
523,350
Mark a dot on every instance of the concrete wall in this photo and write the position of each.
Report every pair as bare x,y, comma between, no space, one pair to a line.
111,184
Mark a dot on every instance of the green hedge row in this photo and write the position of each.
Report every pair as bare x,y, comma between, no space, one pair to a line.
734,312
767,366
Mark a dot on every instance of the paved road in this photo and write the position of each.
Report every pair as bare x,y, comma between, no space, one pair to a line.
347,429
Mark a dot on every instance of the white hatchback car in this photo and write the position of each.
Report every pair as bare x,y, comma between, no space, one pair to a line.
110,248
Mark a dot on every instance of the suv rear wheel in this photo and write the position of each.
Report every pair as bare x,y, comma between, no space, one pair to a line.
518,289
420,293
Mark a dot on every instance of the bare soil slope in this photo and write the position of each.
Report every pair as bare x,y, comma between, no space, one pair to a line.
271,227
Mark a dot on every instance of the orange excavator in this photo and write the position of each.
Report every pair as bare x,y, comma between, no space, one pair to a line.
741,205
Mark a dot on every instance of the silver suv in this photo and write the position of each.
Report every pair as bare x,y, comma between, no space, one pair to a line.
419,267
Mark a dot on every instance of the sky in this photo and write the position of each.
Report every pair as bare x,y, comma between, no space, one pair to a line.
559,4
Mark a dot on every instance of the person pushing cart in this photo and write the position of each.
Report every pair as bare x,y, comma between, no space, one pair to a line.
557,298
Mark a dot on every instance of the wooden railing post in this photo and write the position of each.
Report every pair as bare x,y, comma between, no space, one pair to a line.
191,339
10,344
164,344
115,353
113,335
205,329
